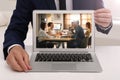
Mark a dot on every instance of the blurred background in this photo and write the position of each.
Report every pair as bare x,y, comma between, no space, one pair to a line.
7,7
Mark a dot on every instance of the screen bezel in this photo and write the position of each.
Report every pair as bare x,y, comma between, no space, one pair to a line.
36,12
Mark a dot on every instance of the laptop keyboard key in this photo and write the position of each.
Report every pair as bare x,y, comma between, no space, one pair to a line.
48,57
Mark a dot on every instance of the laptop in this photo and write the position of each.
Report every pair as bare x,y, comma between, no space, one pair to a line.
69,50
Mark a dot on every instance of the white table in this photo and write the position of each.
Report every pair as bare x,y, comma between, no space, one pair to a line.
109,57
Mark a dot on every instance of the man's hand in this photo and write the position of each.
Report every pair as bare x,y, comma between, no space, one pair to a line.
103,17
18,59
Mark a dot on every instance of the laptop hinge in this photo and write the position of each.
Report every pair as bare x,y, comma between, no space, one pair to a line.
63,51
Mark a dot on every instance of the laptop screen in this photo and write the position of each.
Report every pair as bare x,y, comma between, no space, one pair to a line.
63,30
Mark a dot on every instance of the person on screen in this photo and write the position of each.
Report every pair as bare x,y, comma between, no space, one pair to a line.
13,46
78,36
87,34
54,33
41,35
51,30
71,29
88,29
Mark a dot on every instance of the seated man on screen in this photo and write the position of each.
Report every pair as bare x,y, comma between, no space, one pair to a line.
78,36
51,31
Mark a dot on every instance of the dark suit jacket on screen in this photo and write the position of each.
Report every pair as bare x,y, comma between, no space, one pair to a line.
22,15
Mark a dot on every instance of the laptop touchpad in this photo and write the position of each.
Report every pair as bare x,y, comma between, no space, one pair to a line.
64,66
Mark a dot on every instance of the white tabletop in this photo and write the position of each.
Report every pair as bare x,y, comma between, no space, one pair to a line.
109,57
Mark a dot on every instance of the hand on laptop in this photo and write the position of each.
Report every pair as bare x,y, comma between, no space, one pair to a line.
103,17
18,59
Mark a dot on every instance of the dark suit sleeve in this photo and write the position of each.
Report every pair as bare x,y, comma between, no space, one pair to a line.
100,4
18,27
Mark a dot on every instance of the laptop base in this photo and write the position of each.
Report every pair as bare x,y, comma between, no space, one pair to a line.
65,66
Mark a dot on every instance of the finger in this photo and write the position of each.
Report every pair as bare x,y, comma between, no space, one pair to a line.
102,10
103,15
26,60
20,61
13,63
103,20
102,24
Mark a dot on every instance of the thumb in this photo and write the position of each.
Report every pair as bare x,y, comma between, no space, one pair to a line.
26,60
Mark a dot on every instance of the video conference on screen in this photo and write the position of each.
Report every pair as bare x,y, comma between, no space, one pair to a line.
64,30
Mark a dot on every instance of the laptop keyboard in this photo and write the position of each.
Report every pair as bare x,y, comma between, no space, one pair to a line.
63,57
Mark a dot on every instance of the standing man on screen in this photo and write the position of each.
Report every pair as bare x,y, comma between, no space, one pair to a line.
13,47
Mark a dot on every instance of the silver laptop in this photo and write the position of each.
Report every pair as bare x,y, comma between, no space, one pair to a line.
71,48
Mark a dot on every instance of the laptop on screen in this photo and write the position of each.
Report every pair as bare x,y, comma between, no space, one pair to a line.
64,41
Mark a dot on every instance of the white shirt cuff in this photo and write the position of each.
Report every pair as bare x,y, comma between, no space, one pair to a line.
106,28
12,47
